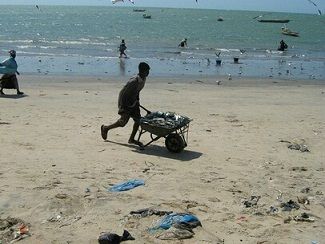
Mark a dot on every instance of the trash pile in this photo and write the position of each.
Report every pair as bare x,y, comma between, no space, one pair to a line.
168,120
13,230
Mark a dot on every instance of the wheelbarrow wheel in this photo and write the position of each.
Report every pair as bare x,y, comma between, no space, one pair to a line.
174,143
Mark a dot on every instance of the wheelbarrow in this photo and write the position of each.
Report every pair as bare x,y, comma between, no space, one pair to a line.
175,134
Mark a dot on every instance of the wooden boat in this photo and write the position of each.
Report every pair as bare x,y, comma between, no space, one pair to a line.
146,16
139,10
286,31
273,20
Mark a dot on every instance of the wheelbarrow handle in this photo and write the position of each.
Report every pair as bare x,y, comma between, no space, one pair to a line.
148,111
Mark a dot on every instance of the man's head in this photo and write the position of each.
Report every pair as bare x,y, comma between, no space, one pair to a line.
12,53
144,69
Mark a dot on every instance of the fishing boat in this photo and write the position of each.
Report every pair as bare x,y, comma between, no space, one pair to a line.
286,31
273,20
146,16
139,10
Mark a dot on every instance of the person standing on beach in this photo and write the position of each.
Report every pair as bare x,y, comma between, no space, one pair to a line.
129,104
9,68
122,49
183,43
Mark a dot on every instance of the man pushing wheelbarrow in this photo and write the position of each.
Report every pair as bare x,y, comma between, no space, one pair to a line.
129,107
129,104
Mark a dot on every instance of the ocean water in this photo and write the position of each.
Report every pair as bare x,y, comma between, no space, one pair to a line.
84,41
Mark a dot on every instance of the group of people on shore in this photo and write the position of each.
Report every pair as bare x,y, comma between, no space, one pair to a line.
123,47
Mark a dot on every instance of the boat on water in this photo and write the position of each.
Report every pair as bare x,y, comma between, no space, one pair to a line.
273,20
139,10
286,31
146,16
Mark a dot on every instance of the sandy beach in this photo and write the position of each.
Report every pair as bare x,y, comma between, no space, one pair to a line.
235,175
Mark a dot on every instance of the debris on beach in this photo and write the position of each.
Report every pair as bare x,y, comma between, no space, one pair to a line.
297,168
304,217
303,200
127,185
252,201
175,233
300,146
150,211
272,210
290,205
112,238
13,230
176,226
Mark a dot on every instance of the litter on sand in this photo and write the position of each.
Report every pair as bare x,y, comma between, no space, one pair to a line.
187,220
149,211
125,186
112,238
175,226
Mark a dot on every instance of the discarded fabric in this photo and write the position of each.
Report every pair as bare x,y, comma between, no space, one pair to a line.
112,238
128,185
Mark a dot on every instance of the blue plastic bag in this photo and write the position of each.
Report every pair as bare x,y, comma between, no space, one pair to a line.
176,218
125,186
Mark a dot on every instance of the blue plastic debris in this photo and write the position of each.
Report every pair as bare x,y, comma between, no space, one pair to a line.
177,218
125,186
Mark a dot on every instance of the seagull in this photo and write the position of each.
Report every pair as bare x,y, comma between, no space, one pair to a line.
319,12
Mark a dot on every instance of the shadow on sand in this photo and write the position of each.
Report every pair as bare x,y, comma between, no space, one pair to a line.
159,151
13,96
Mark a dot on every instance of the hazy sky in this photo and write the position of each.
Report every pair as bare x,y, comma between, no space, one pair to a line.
297,6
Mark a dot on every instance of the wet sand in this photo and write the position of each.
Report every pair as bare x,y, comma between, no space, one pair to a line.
55,167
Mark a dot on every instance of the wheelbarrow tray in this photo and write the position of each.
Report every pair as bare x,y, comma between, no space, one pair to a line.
161,131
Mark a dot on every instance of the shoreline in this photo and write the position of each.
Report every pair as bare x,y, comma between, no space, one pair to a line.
49,80
294,69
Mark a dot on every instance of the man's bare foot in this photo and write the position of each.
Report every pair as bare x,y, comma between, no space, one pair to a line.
103,132
136,143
